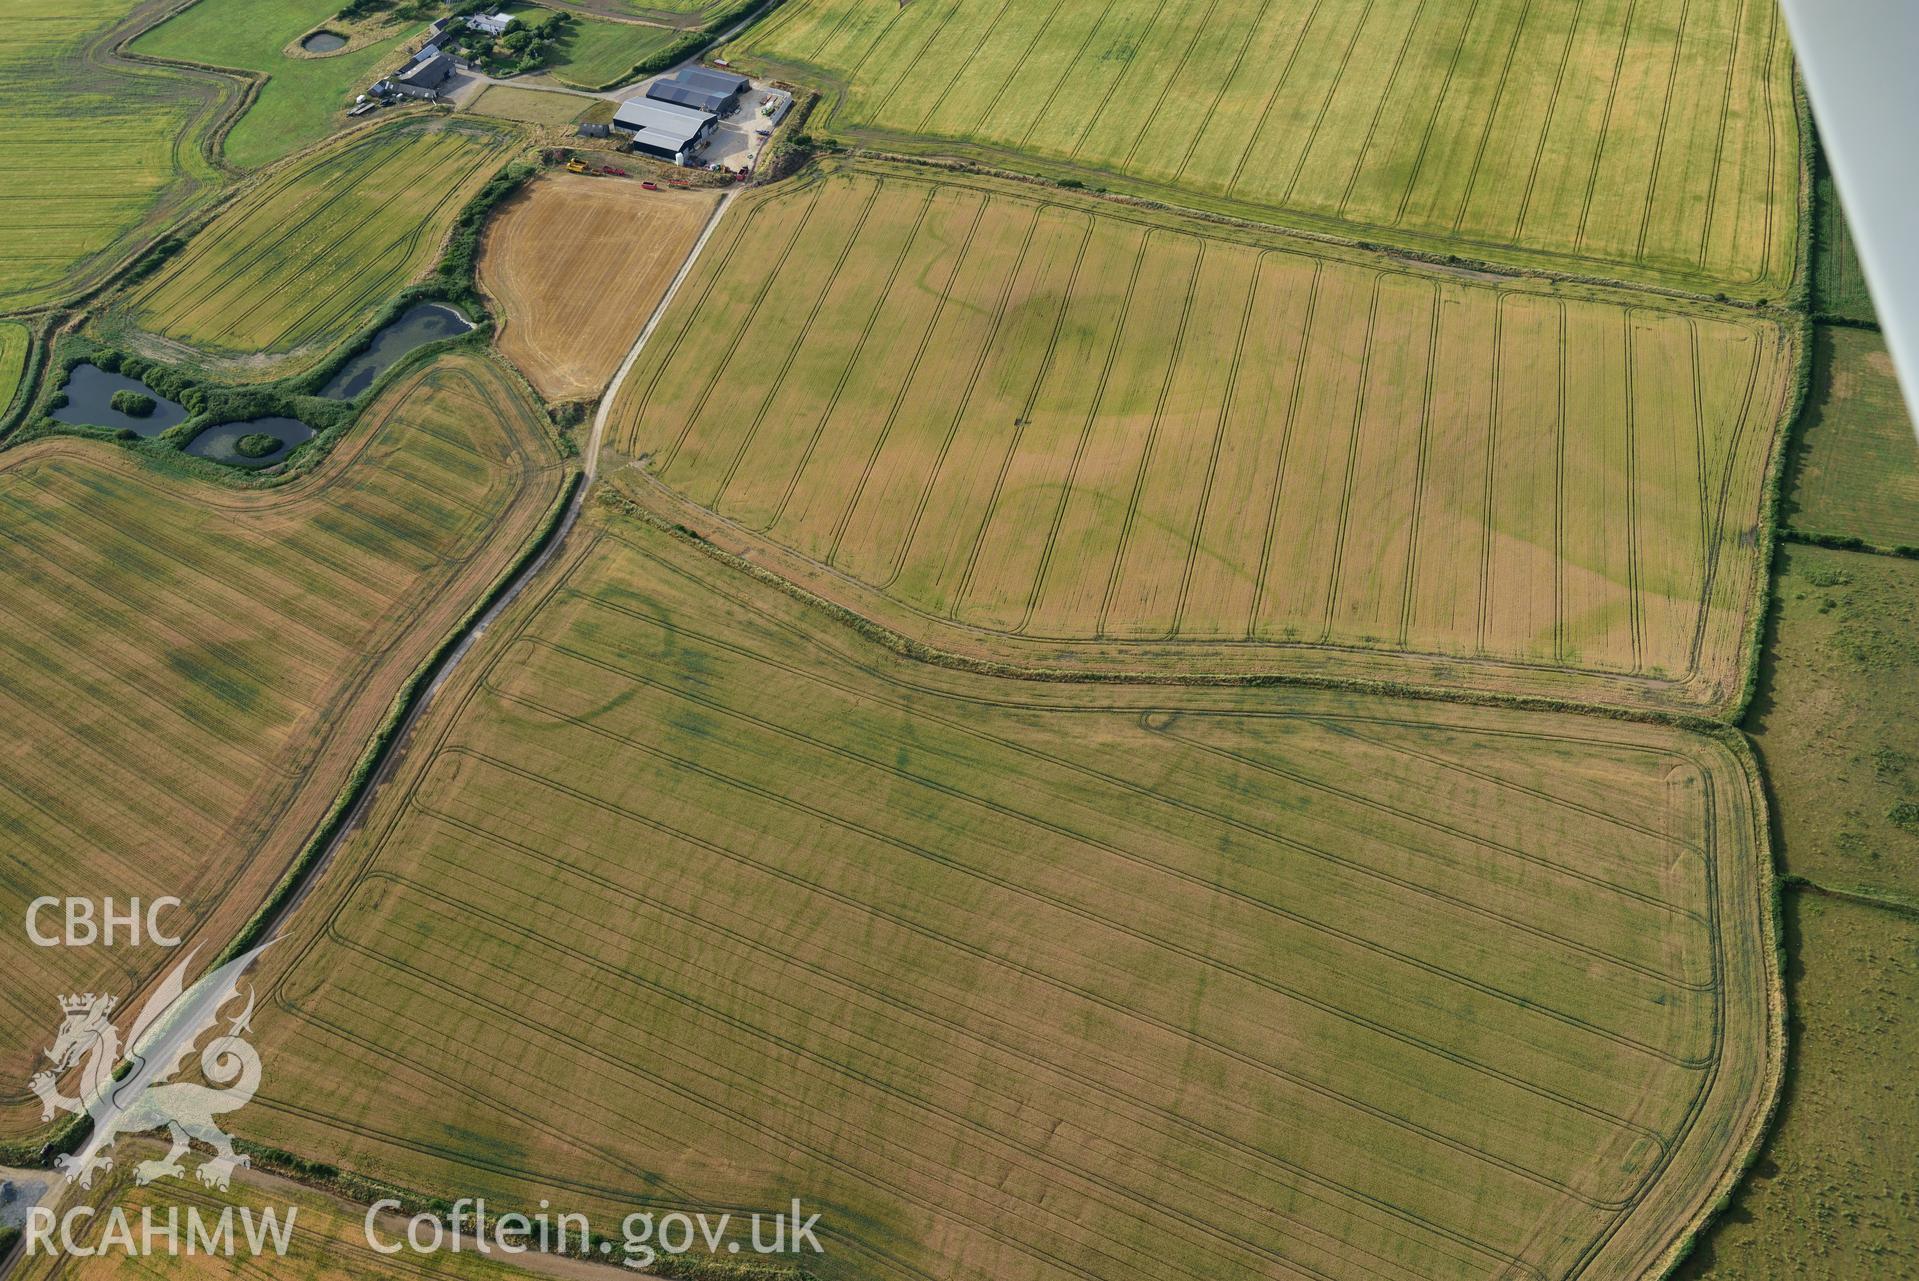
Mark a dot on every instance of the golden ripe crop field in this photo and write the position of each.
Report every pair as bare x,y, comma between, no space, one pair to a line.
301,262
577,264
688,895
1047,430
1657,143
192,672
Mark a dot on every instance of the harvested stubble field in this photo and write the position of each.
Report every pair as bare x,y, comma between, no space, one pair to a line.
1649,142
577,265
1053,431
1857,474
685,896
307,258
96,152
192,672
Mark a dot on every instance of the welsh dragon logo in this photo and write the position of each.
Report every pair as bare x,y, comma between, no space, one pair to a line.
128,1087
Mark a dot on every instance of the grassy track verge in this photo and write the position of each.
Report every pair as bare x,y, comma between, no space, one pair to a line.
196,670
304,260
16,341
1655,144
1286,981
1052,431
1830,1195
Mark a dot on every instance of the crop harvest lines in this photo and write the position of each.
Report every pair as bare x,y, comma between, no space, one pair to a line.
78,199
1050,430
571,261
1488,128
239,649
1148,949
300,263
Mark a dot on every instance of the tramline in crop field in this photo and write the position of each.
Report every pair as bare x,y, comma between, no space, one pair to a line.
1650,142
577,264
191,672
96,151
1226,982
1049,430
303,261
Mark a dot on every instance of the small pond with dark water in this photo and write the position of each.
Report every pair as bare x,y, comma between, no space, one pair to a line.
323,42
89,400
422,323
221,441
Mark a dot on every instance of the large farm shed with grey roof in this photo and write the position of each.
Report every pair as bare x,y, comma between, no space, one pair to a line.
663,129
700,88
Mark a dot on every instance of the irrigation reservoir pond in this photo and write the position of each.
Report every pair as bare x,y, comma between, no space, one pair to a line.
90,391
422,323
221,442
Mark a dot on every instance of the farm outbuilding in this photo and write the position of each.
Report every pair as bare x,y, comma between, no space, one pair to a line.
700,88
426,74
663,129
493,24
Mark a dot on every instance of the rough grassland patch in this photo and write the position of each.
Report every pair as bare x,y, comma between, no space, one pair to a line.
307,257
191,672
1052,431
1858,469
1830,1198
1646,142
531,106
678,878
1836,721
577,265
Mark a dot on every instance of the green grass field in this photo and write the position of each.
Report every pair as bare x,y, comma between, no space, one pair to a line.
15,341
598,52
686,893
191,673
1831,1198
1044,429
304,99
1858,469
305,259
1837,718
1646,142
529,106
92,157
1838,284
